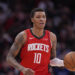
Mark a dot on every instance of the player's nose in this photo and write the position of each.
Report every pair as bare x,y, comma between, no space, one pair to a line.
41,19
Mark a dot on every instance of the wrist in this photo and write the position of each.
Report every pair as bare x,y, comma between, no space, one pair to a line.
21,68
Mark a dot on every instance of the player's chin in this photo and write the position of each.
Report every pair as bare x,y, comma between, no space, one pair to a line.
42,26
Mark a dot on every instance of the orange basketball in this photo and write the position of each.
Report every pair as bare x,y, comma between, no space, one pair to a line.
69,61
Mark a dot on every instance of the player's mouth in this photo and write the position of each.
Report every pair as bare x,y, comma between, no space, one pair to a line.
41,23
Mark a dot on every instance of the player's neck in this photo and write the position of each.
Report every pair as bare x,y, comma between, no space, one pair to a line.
37,32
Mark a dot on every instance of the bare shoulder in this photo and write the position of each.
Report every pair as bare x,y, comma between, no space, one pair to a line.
18,43
52,36
21,37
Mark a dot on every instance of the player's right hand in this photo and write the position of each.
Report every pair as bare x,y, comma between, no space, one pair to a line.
28,71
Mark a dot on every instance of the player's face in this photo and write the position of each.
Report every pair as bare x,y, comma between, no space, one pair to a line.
39,19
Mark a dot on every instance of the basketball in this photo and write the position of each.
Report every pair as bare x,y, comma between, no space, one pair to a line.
69,61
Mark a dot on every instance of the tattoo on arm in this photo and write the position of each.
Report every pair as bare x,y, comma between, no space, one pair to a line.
54,42
14,50
17,45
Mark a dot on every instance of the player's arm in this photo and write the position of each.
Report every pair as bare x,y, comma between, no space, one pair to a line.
55,61
13,52
53,39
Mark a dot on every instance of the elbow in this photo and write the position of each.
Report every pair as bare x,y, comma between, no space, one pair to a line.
7,59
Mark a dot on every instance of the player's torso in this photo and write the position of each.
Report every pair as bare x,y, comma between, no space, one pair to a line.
35,53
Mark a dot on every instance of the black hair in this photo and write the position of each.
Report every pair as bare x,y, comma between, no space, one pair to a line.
36,10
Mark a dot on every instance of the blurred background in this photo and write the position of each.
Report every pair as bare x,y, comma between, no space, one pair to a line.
15,17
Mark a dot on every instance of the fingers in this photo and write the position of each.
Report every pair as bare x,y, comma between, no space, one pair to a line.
29,72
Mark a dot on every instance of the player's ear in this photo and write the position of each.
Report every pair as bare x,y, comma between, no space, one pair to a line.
32,19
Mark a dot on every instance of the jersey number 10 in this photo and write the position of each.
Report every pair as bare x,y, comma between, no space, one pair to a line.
37,58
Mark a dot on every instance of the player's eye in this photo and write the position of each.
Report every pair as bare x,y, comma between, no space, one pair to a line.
41,17
44,16
38,17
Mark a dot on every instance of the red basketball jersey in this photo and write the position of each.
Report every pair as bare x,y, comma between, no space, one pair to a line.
35,53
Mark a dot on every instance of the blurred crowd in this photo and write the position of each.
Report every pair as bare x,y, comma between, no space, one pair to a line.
15,17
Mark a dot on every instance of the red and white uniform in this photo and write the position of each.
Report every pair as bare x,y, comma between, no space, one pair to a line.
36,52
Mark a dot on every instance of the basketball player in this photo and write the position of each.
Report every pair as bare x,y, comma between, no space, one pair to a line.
36,46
